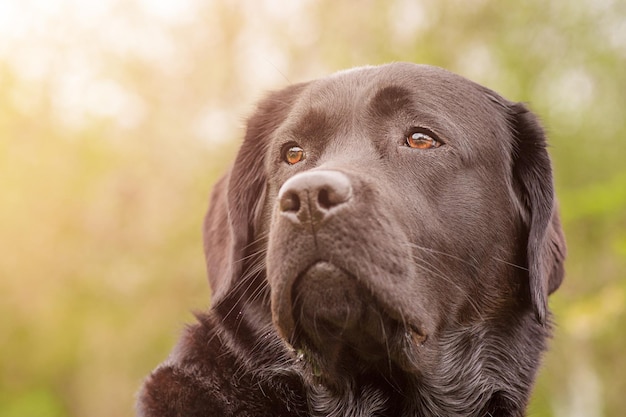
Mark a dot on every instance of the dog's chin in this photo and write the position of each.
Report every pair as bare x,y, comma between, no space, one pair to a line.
341,330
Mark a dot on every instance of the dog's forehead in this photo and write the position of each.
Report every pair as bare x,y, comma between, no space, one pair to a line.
381,91
468,113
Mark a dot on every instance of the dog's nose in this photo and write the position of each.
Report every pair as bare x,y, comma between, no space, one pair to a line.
311,196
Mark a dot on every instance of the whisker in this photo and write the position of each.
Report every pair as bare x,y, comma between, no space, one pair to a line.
438,273
435,251
382,326
523,268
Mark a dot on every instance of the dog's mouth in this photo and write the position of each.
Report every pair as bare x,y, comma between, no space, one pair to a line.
342,327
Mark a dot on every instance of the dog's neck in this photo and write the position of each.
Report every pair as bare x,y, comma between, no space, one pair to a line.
479,372
483,370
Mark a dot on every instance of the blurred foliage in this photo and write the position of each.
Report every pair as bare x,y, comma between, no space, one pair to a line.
117,117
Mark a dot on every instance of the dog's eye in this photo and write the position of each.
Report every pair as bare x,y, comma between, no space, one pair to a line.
421,140
293,154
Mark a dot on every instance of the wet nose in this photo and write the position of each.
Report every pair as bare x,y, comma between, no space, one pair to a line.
313,196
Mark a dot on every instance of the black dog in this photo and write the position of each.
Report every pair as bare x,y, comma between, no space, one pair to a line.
384,245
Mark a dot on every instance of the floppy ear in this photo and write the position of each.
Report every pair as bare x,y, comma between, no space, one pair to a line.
532,174
231,223
217,236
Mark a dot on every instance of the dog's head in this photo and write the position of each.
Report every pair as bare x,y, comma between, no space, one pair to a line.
385,207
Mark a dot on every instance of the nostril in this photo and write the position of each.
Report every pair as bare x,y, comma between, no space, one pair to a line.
290,202
333,195
323,199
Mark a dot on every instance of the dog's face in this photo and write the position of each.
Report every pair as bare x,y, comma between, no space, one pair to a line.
386,208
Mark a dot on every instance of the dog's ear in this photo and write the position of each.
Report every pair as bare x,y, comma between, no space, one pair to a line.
217,237
532,175
231,223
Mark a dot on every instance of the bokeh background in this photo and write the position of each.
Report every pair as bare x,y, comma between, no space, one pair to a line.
117,116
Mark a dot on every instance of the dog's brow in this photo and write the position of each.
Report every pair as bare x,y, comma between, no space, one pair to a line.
389,100
314,124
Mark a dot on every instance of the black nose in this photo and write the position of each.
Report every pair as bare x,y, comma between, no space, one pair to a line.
312,196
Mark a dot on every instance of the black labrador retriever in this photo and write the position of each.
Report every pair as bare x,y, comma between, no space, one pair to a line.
384,245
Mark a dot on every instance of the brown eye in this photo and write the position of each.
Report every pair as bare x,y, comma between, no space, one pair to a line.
419,140
293,155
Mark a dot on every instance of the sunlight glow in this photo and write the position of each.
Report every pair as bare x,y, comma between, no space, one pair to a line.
49,42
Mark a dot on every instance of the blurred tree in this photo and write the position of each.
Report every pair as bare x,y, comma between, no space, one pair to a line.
110,140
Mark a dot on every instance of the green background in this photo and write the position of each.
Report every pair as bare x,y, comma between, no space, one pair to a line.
116,117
